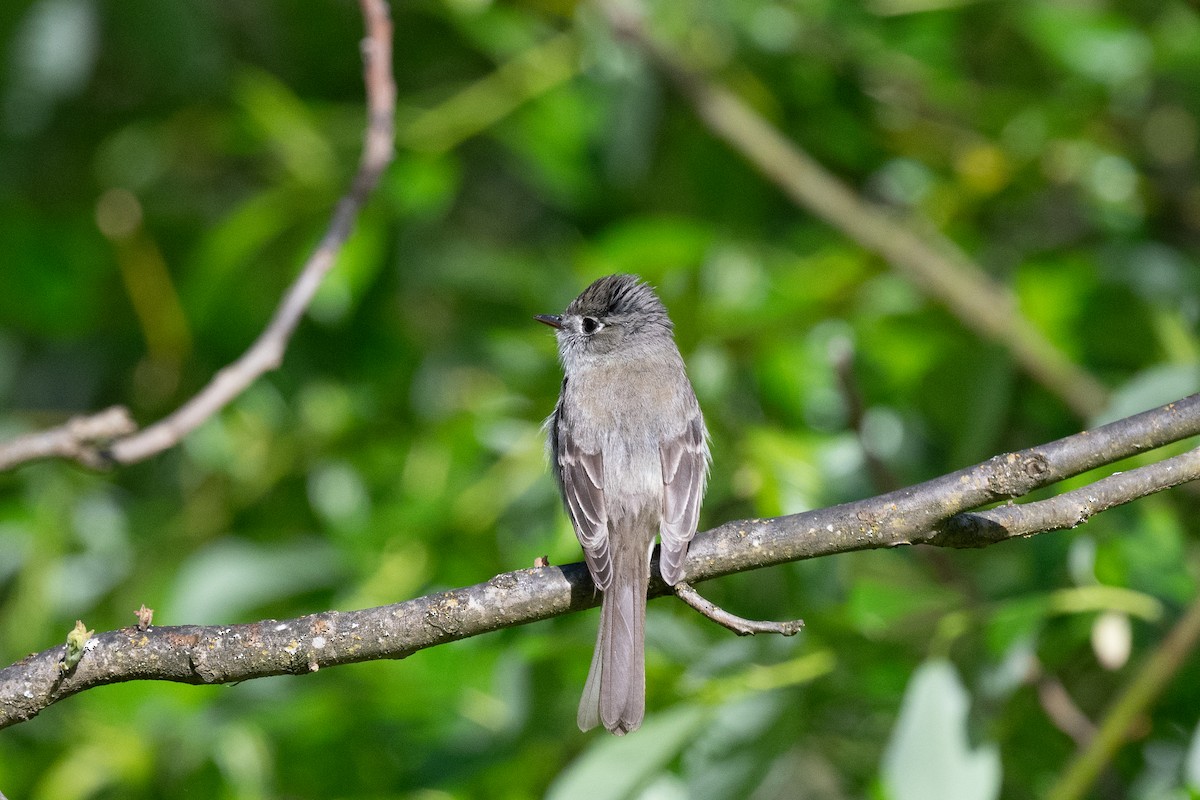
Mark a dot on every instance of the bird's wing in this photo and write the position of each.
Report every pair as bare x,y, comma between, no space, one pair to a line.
581,480
684,470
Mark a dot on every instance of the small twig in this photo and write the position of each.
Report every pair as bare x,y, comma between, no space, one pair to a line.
1060,707
930,260
145,617
79,439
739,625
266,353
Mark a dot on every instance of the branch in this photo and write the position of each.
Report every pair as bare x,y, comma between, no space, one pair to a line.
79,439
739,625
1059,706
229,653
931,261
266,353
1070,509
921,513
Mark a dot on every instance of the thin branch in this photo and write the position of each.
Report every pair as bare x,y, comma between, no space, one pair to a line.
266,353
916,514
78,439
931,261
1062,710
1070,509
193,654
739,625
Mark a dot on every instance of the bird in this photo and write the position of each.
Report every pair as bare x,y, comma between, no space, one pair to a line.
630,452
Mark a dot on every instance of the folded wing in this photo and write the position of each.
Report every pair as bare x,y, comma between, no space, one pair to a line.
684,461
581,479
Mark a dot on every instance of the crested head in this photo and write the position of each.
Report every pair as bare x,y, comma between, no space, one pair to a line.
619,297
616,314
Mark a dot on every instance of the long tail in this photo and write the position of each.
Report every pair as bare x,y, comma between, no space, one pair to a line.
615,692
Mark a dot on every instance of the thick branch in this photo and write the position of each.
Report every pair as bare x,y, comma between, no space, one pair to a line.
267,351
229,653
929,259
193,654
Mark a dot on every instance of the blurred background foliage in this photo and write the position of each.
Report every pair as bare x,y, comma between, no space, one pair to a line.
165,167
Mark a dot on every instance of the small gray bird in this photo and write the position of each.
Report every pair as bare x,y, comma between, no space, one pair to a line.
630,451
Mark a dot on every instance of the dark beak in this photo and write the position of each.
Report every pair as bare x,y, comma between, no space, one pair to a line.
553,320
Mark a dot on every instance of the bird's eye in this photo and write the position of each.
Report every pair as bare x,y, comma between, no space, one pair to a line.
591,325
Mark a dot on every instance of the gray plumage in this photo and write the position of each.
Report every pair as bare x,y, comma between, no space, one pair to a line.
630,451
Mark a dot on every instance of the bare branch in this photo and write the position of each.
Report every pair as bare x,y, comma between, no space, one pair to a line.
1056,701
228,653
193,654
739,625
1070,509
915,515
79,438
266,353
926,257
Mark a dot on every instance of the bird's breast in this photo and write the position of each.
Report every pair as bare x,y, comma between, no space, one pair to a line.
625,413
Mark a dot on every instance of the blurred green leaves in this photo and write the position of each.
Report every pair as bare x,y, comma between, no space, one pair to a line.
616,767
227,580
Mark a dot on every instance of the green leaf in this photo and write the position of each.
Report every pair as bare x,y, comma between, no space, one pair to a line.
614,767
1150,388
929,756
1191,763
225,581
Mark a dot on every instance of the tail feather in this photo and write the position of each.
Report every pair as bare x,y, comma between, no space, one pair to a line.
589,704
615,692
